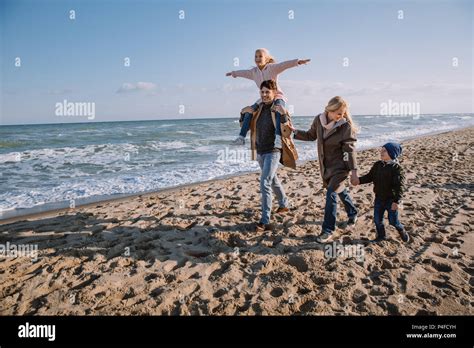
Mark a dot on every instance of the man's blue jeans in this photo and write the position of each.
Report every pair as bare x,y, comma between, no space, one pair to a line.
269,181
330,210
380,206
247,117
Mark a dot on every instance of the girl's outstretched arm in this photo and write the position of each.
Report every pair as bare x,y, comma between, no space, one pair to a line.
246,74
280,67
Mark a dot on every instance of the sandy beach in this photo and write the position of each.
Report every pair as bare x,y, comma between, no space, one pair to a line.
193,250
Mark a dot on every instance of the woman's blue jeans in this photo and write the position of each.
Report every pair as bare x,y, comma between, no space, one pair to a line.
330,210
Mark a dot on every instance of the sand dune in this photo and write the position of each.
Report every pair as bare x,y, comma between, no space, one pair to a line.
194,251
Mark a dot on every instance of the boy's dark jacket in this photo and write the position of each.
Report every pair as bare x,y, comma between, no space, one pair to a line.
388,179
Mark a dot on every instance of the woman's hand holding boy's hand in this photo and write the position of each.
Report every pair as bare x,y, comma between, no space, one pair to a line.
355,179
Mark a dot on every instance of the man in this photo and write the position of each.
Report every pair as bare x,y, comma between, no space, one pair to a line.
269,146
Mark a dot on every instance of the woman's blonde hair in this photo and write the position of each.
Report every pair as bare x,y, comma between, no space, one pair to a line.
267,54
335,104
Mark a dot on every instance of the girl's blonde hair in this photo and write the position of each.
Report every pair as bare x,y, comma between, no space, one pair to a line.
335,104
267,54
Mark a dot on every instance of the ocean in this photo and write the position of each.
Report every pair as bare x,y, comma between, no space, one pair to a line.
47,166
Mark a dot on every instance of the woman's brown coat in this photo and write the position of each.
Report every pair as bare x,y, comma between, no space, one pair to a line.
336,151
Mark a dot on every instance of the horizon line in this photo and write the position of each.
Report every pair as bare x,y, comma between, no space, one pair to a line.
208,118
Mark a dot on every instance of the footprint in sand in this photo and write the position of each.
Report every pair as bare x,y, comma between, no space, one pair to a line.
299,263
277,292
359,295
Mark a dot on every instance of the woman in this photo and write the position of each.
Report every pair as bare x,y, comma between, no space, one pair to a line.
335,132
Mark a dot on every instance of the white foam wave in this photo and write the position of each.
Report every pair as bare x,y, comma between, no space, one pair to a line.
59,174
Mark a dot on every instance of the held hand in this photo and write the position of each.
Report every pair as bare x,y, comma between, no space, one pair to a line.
230,74
280,109
303,61
394,206
247,109
355,179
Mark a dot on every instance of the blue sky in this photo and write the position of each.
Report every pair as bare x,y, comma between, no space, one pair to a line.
183,61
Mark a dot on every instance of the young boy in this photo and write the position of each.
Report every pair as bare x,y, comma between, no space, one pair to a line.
389,180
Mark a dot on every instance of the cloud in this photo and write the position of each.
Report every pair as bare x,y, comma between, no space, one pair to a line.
128,87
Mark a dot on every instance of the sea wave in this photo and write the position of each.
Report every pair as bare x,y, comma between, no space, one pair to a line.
91,170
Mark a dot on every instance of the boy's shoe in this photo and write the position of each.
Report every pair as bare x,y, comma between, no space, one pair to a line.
282,210
352,221
239,141
324,237
404,235
263,227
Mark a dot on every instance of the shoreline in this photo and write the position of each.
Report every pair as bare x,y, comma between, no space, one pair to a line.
62,207
123,197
